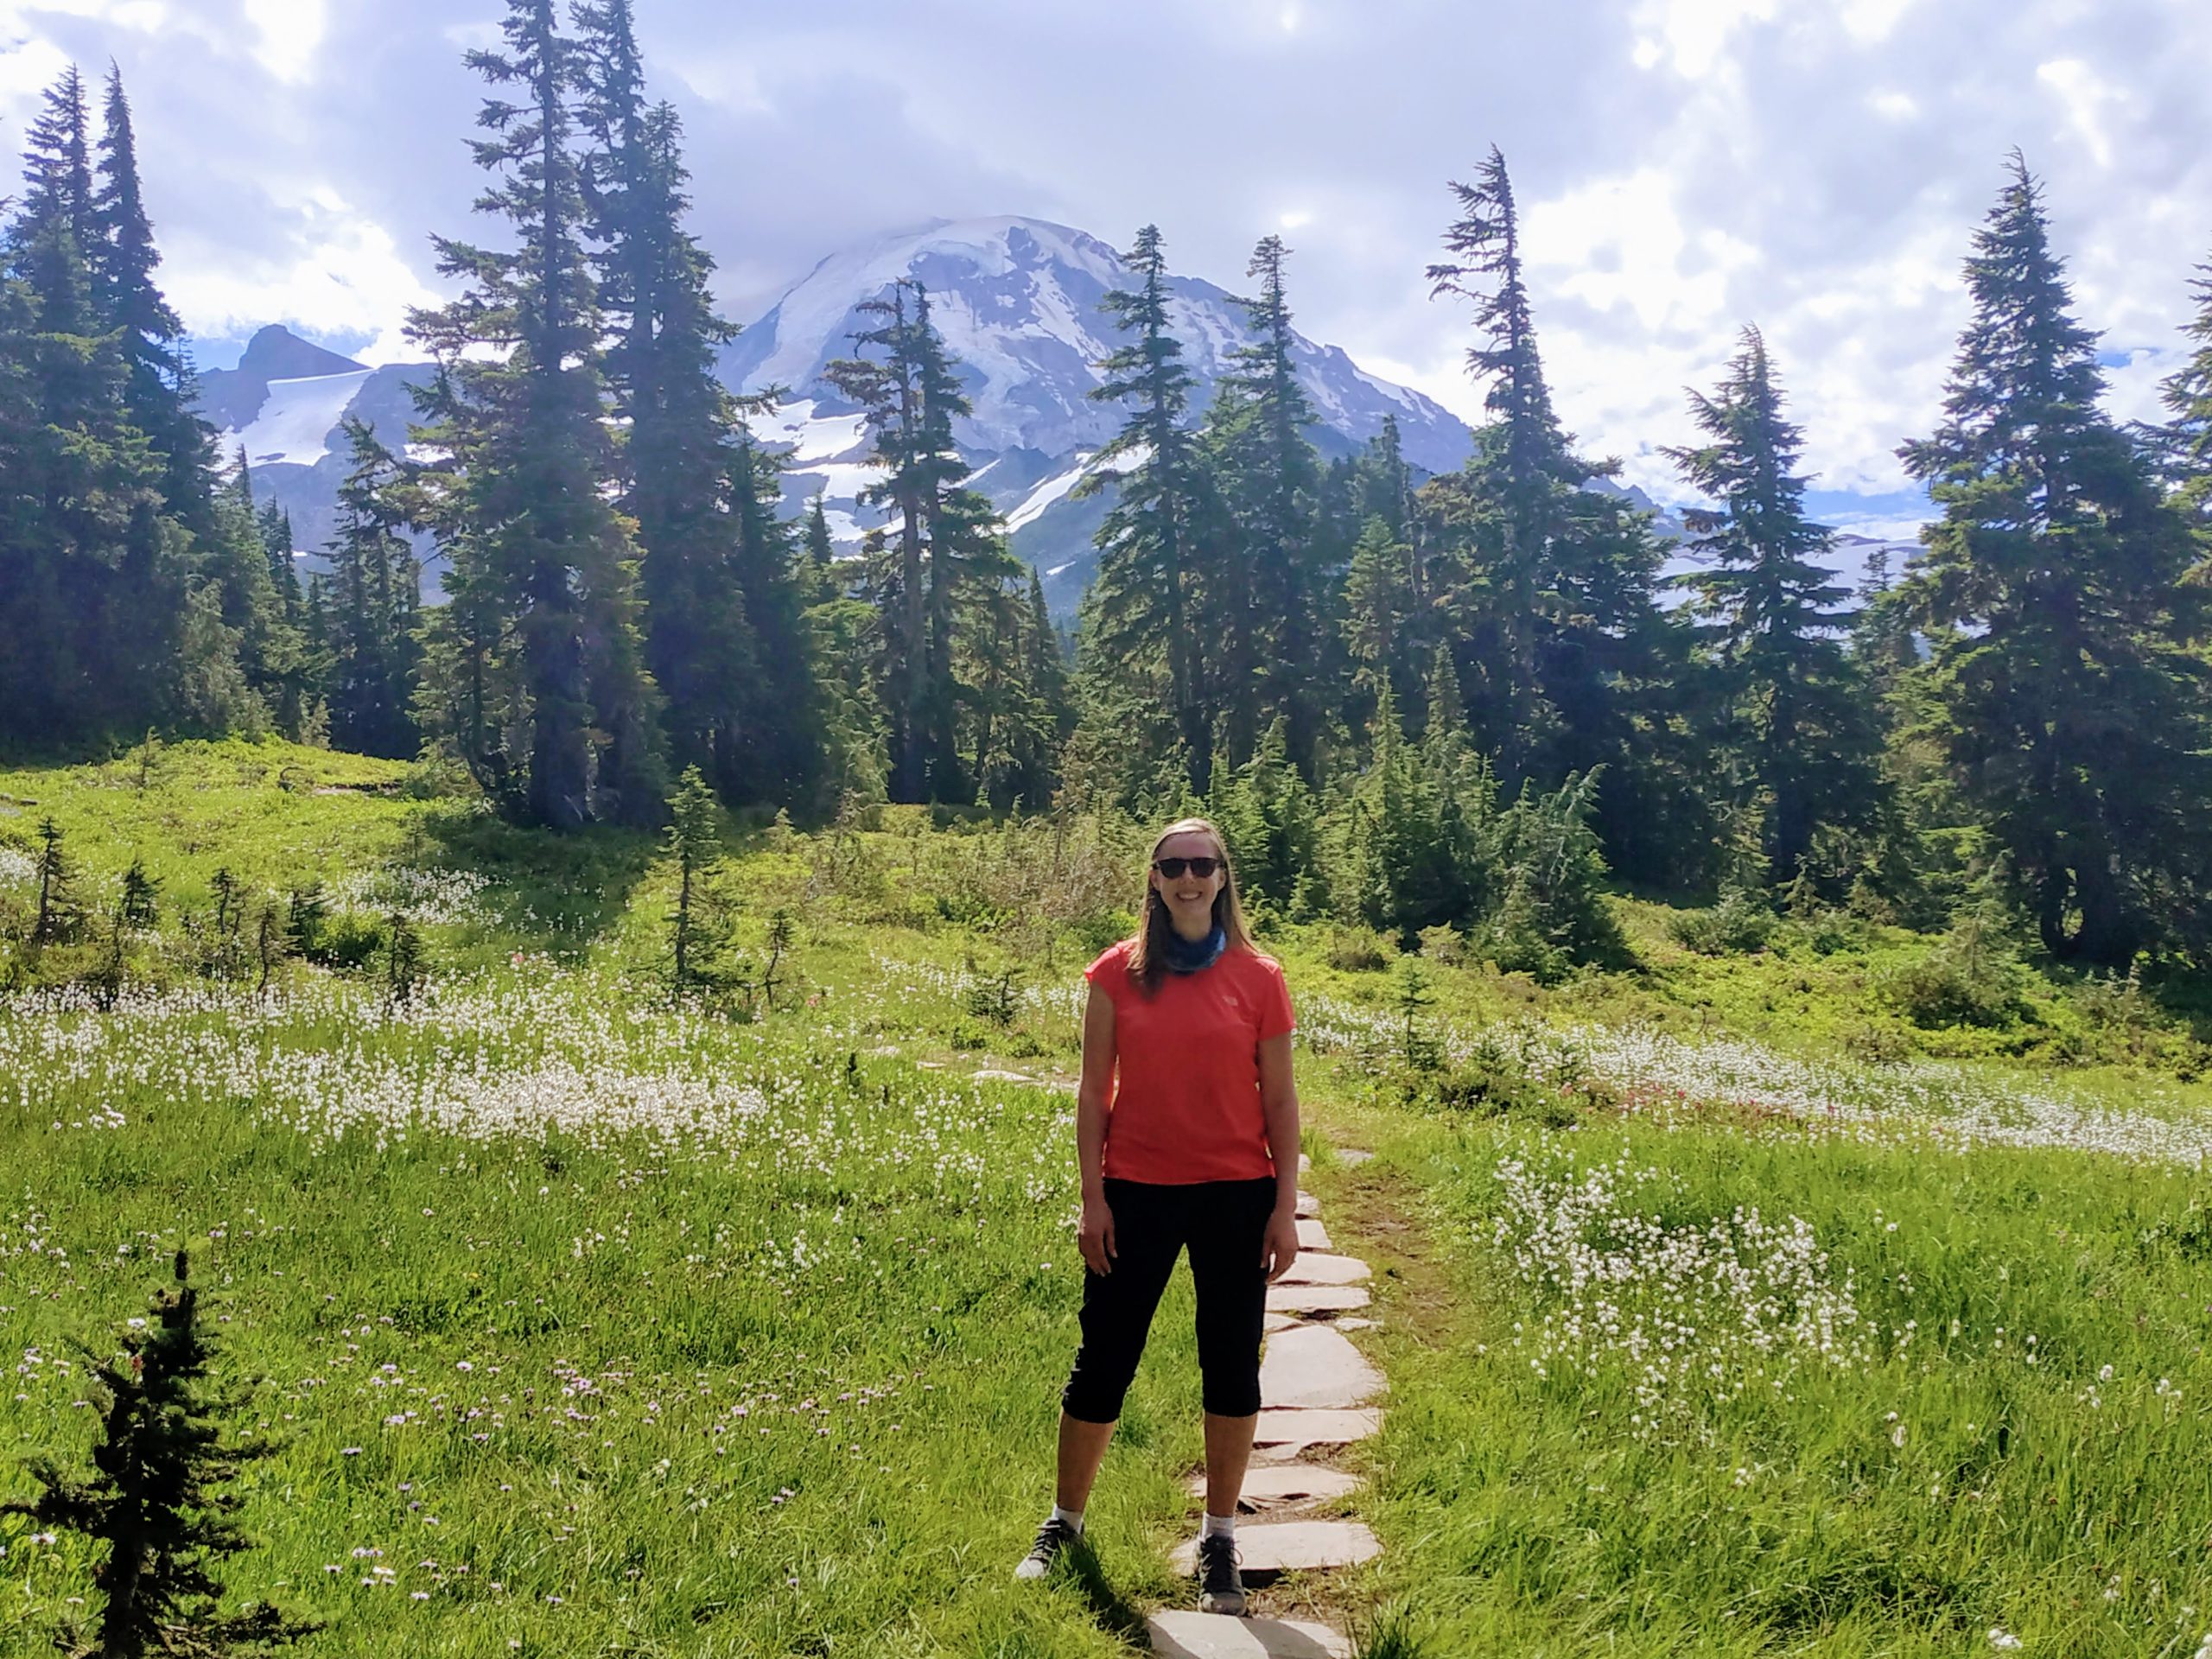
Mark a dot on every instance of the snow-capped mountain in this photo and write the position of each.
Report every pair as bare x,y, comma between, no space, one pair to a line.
1017,301
281,408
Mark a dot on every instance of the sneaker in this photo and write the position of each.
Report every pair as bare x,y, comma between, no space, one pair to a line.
1221,1587
1052,1537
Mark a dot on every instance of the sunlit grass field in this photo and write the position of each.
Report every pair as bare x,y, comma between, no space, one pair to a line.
591,1322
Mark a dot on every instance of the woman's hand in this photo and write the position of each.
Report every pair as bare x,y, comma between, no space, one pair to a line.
1280,1248
1094,1234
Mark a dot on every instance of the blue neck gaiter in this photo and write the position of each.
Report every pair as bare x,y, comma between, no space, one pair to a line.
1183,955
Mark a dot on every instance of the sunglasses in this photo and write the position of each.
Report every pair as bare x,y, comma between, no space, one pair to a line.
1172,869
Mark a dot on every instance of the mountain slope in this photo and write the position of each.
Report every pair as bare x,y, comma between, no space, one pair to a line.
1017,301
281,408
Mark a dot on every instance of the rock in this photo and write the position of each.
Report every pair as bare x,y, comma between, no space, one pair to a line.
1267,1548
1312,1236
1283,1485
1306,1205
1283,1435
1316,1366
1315,1299
1319,1269
1304,1163
1274,1322
1213,1636
1353,1160
993,1074
1351,1324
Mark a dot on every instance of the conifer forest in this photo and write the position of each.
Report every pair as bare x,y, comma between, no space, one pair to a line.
541,1043
1395,688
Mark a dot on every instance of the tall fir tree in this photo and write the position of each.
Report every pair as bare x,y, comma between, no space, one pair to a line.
2188,393
542,563
1142,652
888,388
722,605
159,390
375,604
96,600
939,591
1379,620
1268,611
2052,589
1791,736
1544,586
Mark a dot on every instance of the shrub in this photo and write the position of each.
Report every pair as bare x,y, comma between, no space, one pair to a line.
1971,978
1444,945
1358,950
1739,925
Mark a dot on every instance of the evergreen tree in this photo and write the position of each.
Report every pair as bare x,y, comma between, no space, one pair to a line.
721,598
1141,645
2188,395
2053,588
821,552
888,389
1263,601
1791,733
1379,618
544,569
98,577
1544,586
158,1499
372,631
942,592
159,390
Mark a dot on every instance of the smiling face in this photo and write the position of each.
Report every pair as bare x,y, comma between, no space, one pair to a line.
1189,898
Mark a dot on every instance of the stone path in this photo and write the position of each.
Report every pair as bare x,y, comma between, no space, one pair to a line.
1317,1393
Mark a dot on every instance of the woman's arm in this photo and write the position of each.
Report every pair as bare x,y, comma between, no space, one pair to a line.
1095,1232
1279,1103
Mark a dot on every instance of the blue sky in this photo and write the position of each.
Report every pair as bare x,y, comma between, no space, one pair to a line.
1684,165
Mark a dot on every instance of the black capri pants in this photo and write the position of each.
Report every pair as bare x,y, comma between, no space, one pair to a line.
1225,1225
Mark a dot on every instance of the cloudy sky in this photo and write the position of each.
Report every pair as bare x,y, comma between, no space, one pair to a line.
1684,165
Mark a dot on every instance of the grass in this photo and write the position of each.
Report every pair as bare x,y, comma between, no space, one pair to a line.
1974,1402
590,1322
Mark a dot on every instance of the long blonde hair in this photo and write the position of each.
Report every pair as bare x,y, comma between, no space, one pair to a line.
1149,958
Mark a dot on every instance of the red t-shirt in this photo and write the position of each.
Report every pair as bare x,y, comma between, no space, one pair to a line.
1185,1102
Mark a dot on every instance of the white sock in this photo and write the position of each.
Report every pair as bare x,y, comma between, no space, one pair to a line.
1219,1526
1072,1519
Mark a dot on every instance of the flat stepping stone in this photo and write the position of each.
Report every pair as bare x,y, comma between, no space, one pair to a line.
1316,1366
1274,1322
1304,1163
1307,1205
1312,1236
1351,1324
1315,1269
1215,1635
1352,1159
1283,1485
1316,1299
1267,1548
1283,1435
993,1074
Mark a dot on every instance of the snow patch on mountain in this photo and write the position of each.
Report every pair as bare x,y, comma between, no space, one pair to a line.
296,421
1046,495
1018,301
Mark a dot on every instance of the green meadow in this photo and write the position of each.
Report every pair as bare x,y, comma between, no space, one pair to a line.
1727,1309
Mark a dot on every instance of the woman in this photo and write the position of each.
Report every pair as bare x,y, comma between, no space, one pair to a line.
1186,1132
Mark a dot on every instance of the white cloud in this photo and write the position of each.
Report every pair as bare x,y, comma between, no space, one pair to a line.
1693,32
1872,21
1892,104
340,273
291,32
2088,101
